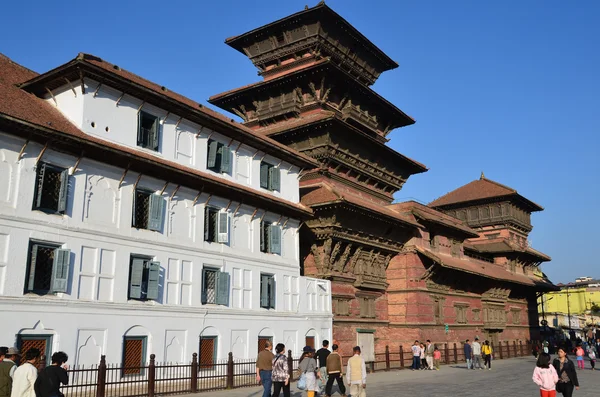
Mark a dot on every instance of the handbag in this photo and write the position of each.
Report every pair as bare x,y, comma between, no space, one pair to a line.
302,382
560,387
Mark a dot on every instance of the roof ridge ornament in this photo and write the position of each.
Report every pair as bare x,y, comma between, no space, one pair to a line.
482,175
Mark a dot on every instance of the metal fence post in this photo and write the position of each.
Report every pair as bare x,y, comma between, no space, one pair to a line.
401,357
101,382
500,350
387,358
230,371
446,354
151,376
194,385
290,365
515,347
507,349
521,348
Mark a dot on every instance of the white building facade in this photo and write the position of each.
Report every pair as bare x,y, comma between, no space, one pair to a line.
184,240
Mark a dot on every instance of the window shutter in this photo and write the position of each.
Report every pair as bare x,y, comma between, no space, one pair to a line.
275,239
64,191
136,278
223,288
263,241
140,134
223,227
226,159
156,212
31,281
155,135
206,223
271,281
264,175
275,179
212,154
60,270
153,277
264,291
40,185
203,293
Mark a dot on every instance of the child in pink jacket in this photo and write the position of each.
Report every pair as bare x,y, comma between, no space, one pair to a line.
545,376
580,353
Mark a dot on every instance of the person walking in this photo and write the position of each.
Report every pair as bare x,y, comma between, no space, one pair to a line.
476,353
545,376
25,376
3,352
264,368
356,374
50,378
8,367
486,353
416,352
468,353
429,354
309,367
580,353
423,361
334,371
591,351
437,356
322,354
567,376
280,375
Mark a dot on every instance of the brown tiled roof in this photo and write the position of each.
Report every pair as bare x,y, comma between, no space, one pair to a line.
20,107
482,269
92,64
481,189
425,213
325,193
502,245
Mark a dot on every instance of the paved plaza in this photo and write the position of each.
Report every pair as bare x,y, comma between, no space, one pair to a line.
511,377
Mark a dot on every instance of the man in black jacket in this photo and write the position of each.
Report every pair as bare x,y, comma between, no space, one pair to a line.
50,378
322,355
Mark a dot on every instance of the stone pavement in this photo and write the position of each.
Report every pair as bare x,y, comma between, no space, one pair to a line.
511,377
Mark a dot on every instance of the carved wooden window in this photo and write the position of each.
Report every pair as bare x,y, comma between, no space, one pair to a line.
476,315
433,241
462,215
516,316
455,250
367,307
496,211
342,307
492,235
438,310
51,189
461,313
474,214
485,212
512,266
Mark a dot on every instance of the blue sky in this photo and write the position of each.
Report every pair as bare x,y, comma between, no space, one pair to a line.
510,88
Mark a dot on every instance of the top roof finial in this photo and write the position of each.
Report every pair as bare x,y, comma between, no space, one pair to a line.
306,7
482,175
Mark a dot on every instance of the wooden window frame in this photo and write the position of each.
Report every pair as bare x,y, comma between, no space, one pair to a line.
215,340
40,183
144,340
149,262
148,138
59,273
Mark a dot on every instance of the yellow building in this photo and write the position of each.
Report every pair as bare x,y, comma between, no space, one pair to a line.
577,298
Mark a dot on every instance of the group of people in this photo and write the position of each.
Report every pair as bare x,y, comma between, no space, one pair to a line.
317,370
559,376
475,352
425,356
25,380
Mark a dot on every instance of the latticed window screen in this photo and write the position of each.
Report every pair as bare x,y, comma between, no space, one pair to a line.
207,351
133,356
27,344
210,286
51,188
141,209
40,269
262,340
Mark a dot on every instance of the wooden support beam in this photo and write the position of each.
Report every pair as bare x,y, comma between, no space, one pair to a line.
230,142
52,95
209,135
174,192
263,157
263,216
300,172
97,89
199,132
39,157
285,223
166,117
208,199
82,82
164,188
177,124
119,100
141,106
238,147
123,176
255,153
253,214
237,208
228,205
197,196
136,182
71,85
22,151
278,220
77,163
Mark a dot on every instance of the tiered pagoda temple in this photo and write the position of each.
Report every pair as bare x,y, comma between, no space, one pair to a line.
388,284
